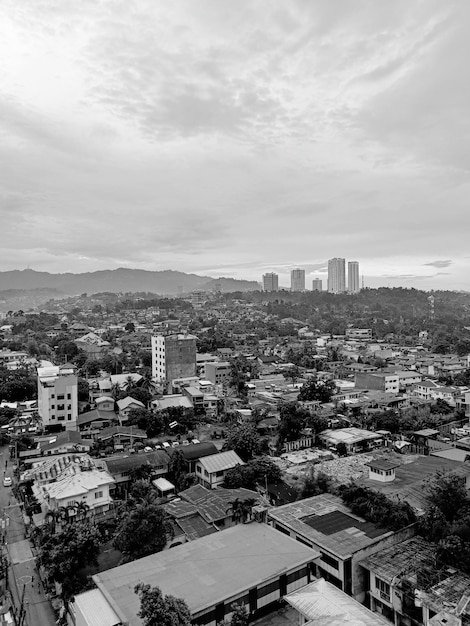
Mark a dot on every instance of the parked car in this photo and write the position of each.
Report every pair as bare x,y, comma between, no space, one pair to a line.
7,481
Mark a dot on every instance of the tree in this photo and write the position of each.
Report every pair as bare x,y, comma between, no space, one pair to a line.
129,327
239,616
63,554
159,610
255,472
244,440
142,531
293,420
446,491
83,390
318,390
241,509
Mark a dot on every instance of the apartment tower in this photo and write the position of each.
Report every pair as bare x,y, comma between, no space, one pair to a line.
58,396
336,275
297,280
353,277
317,284
173,356
270,282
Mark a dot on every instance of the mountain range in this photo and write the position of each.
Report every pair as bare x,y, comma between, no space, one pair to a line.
122,280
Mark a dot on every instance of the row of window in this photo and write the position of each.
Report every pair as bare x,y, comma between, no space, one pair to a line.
381,472
61,396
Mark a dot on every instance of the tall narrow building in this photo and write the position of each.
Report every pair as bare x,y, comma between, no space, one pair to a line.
297,280
353,277
58,396
336,275
270,282
173,357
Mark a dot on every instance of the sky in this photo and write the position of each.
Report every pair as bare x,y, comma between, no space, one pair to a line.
234,138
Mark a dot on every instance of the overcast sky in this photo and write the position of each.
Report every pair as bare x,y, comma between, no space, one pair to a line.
235,137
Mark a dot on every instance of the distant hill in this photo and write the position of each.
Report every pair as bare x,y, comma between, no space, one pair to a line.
121,280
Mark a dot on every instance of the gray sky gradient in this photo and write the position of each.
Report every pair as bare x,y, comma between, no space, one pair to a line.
235,138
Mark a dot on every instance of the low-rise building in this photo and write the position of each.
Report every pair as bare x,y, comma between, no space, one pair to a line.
248,564
211,470
380,381
343,539
218,373
355,439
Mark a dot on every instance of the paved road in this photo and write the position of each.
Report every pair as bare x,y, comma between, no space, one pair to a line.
23,578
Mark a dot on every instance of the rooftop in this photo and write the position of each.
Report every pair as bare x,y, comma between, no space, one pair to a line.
221,461
326,605
224,564
326,521
349,435
407,557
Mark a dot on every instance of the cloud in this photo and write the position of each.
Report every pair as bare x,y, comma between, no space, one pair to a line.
439,264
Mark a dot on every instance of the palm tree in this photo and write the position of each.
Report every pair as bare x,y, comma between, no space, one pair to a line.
241,509
82,509
52,517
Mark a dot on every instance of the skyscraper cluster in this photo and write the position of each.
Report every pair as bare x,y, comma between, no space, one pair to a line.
336,278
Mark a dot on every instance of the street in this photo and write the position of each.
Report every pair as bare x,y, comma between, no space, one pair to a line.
30,605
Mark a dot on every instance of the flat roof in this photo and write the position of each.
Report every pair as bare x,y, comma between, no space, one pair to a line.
327,522
207,571
382,464
348,435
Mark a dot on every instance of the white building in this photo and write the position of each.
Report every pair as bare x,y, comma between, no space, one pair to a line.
353,277
58,396
270,282
336,275
297,280
317,284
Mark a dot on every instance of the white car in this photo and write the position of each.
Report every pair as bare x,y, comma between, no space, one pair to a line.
7,481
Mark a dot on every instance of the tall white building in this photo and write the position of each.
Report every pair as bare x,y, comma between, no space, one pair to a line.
353,277
270,282
58,396
173,357
336,275
297,280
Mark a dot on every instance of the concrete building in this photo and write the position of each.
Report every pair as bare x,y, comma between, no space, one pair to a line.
218,373
317,284
325,524
297,280
270,282
336,275
380,381
211,470
249,564
173,356
353,277
58,396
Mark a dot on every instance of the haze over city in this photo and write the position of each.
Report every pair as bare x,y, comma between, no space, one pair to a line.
236,138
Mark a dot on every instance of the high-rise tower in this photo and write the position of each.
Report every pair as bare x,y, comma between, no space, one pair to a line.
270,282
336,275
297,280
353,277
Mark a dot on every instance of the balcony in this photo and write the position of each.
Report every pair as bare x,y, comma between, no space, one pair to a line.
385,596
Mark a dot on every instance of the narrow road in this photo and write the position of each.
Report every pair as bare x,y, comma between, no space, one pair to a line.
29,602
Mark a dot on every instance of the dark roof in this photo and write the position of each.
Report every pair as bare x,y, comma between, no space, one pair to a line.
195,527
197,450
61,438
381,464
336,521
96,414
214,505
180,508
121,464
112,431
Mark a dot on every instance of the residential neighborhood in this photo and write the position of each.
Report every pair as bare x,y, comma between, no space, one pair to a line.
243,455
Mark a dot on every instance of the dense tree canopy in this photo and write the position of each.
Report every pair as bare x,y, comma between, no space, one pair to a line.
244,440
255,472
159,610
143,530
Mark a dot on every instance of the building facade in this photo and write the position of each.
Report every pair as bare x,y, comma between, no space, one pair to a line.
297,280
336,275
270,282
173,356
317,284
58,396
353,277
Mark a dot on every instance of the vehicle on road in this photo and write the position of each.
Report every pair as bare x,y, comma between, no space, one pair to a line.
7,481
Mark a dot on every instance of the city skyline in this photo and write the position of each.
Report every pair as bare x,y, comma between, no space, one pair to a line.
207,137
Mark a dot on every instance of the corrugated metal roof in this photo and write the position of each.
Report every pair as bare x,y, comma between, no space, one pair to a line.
95,608
326,605
221,461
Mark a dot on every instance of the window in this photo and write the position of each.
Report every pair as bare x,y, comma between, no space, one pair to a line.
61,418
60,397
98,494
218,474
52,395
329,560
69,407
61,407
198,469
383,587
69,417
52,406
69,396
